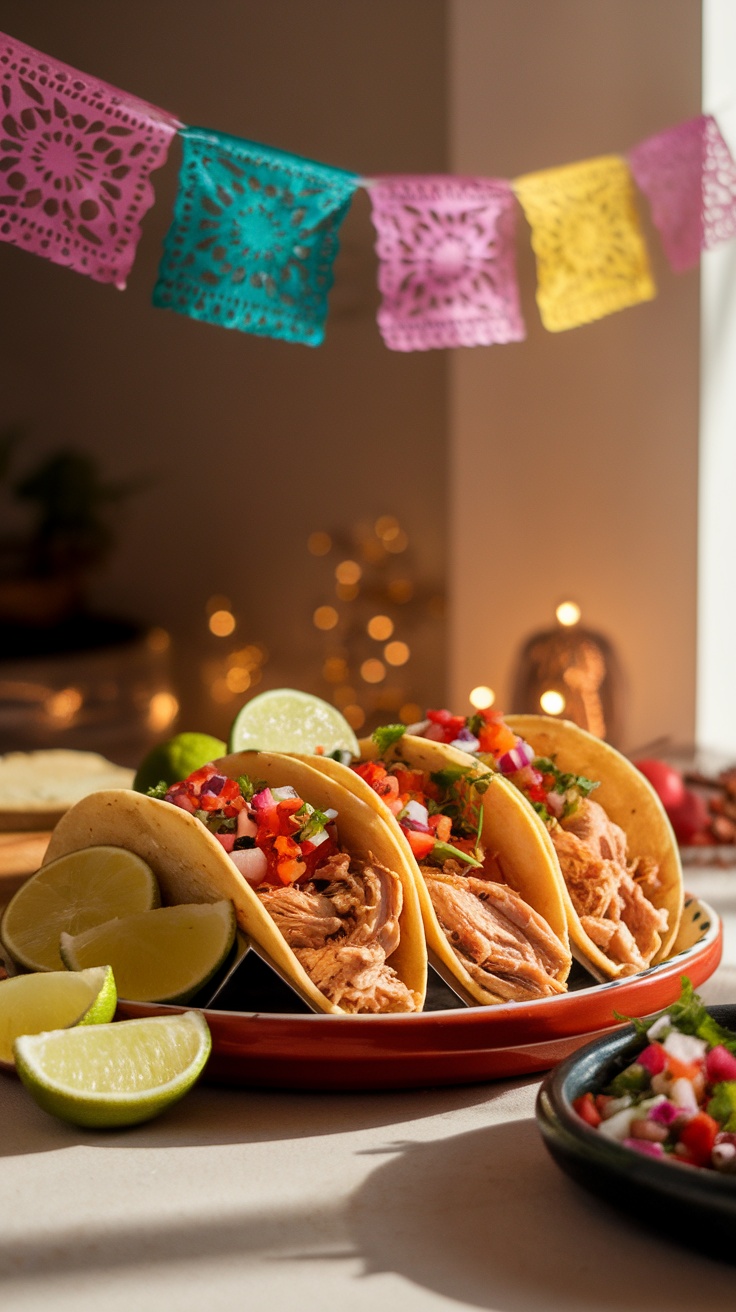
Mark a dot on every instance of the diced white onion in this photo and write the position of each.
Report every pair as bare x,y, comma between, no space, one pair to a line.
685,1047
415,811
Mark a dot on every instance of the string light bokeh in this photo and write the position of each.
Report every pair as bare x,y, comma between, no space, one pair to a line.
369,621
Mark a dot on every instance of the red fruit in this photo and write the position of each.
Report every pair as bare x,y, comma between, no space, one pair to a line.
690,819
667,782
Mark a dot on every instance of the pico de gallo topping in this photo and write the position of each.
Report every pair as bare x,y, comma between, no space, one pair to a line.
272,835
677,1099
554,794
440,813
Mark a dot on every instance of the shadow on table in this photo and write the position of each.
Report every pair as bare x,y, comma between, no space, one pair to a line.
486,1218
209,1116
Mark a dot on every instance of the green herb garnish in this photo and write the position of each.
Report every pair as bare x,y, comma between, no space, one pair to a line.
158,790
387,735
314,821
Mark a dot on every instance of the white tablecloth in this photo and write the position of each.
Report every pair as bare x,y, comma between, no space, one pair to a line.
355,1203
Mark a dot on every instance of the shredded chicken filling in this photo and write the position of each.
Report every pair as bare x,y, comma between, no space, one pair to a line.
505,946
610,893
342,926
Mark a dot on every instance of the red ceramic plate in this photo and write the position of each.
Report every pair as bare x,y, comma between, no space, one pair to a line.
463,1045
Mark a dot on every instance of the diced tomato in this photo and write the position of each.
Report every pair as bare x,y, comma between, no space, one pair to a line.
683,1070
441,717
587,1110
285,812
420,844
372,771
496,738
409,781
387,788
653,1058
699,1136
441,826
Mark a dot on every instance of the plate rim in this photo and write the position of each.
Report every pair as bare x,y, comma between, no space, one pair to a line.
498,1014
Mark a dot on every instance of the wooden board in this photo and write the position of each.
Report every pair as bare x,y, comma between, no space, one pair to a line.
20,855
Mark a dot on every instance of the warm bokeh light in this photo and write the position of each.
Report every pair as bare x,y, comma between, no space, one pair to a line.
410,713
355,715
238,679
372,670
335,669
344,695
347,591
325,617
319,543
220,691
568,613
400,590
218,602
63,706
386,527
348,572
222,623
396,653
163,709
380,627
482,697
552,702
158,640
397,542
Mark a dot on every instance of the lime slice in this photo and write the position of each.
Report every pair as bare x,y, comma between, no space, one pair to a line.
53,1000
158,956
72,893
286,720
119,1074
176,759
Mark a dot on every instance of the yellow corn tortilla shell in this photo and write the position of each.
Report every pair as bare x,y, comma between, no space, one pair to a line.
630,801
516,840
191,866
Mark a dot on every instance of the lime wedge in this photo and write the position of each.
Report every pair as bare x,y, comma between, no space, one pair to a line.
286,720
72,893
165,955
53,1000
176,759
119,1074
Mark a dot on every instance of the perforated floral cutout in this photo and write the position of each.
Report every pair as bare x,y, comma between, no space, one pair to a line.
591,255
689,177
254,237
75,159
447,267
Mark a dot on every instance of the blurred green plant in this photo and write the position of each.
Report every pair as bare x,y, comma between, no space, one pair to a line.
69,500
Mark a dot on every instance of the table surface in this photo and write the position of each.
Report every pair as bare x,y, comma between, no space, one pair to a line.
439,1199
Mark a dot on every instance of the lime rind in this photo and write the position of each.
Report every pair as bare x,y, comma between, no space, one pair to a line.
72,893
176,759
289,720
165,955
61,1068
31,1004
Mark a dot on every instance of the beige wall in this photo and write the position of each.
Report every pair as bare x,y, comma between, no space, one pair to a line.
571,457
250,443
574,454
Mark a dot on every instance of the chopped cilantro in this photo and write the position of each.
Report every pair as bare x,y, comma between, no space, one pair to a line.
314,822
689,1016
722,1106
446,852
634,1079
341,755
387,735
158,790
249,787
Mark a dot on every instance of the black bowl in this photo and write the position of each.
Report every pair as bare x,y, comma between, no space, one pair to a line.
686,1204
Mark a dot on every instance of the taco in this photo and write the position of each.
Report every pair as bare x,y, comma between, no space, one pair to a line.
317,880
489,889
610,834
